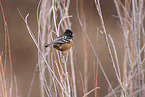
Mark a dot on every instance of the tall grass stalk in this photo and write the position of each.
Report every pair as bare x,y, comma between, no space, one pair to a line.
92,47
56,74
131,16
85,49
5,90
53,18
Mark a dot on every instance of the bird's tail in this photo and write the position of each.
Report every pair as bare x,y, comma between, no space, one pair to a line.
48,45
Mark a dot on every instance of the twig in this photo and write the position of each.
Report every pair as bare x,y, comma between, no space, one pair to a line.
15,80
4,90
107,42
94,50
62,20
32,82
96,77
73,73
91,91
82,82
10,59
34,39
117,62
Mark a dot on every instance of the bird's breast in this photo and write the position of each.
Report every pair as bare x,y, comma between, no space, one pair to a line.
63,47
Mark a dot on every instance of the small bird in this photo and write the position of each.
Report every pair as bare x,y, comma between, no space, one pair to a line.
63,42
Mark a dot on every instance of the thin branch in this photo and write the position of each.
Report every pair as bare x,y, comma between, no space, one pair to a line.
93,49
91,91
32,82
62,20
15,80
107,42
10,59
4,93
117,62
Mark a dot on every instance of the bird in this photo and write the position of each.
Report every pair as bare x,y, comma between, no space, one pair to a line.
63,42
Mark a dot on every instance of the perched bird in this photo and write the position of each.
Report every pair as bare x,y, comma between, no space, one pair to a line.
63,42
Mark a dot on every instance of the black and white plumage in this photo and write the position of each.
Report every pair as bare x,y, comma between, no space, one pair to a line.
59,42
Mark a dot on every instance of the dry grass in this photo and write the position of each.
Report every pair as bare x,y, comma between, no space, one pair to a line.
6,89
57,74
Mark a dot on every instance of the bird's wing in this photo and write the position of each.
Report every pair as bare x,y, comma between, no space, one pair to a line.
62,39
59,40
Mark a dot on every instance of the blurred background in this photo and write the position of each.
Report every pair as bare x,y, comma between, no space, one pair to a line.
24,51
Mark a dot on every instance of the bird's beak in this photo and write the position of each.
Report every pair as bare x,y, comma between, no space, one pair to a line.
73,34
